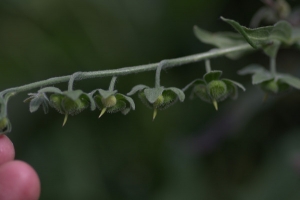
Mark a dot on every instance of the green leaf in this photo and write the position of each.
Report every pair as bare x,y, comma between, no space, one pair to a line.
178,92
221,40
260,77
152,94
290,80
268,37
136,89
251,69
211,76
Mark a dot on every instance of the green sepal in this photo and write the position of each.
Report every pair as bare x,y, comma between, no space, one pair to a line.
169,98
73,107
5,125
121,103
144,100
128,100
178,92
55,102
200,91
212,75
119,106
136,89
37,100
152,94
221,40
106,93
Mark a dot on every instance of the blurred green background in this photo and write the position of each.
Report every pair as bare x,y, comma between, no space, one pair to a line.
247,150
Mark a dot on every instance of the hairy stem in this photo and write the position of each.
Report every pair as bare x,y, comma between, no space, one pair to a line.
158,71
112,83
130,70
207,66
74,77
273,66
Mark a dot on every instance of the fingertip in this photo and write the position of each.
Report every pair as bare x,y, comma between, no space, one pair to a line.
18,181
7,151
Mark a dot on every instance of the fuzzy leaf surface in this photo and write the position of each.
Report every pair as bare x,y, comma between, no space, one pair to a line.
221,40
290,80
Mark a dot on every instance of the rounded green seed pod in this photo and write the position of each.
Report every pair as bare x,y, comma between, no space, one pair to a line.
159,101
5,125
74,107
55,102
109,101
217,90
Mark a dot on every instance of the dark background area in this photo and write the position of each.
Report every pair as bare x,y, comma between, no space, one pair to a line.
247,150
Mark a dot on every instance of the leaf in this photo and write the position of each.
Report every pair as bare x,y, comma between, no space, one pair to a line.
213,75
251,69
221,40
268,37
178,92
260,77
137,88
152,94
290,80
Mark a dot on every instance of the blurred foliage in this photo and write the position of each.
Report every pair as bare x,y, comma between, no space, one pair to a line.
246,150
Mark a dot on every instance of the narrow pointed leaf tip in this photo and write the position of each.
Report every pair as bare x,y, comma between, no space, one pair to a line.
269,37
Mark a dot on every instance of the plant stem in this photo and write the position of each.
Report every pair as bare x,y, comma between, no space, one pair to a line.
112,83
273,66
207,66
74,77
130,70
158,71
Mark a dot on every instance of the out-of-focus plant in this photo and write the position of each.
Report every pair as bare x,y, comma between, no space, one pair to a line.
268,39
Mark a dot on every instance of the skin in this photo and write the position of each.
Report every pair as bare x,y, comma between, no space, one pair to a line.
18,180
